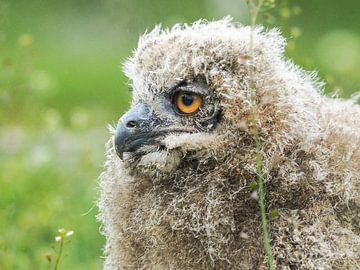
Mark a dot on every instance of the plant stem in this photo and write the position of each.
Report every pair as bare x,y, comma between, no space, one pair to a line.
254,9
59,255
261,191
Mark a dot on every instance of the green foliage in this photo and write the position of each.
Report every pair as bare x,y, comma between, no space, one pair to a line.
274,213
254,185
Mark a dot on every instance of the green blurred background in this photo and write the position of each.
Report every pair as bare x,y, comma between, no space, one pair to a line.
61,83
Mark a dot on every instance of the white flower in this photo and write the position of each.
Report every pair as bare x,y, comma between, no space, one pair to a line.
63,234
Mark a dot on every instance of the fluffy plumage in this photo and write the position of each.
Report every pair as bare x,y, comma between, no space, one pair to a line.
189,205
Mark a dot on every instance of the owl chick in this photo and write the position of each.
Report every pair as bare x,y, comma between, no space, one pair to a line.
178,188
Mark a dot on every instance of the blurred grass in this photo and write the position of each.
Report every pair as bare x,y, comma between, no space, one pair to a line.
61,83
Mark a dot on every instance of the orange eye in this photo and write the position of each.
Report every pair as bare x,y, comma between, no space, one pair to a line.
188,102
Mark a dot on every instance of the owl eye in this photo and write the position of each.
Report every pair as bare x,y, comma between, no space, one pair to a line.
187,102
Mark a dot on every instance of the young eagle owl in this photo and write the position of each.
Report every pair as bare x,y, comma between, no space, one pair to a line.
176,193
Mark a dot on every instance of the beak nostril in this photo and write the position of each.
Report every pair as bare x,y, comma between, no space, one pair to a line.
131,124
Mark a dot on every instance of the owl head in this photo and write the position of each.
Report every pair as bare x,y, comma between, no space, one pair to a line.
192,93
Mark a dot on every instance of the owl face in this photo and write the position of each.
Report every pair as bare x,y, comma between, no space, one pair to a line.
191,93
162,123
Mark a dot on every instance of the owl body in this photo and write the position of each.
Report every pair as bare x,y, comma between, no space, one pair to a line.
184,197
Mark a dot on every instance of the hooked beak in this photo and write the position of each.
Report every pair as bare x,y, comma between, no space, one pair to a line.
136,129
133,130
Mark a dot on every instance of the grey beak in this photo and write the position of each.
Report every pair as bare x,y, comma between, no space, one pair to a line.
131,129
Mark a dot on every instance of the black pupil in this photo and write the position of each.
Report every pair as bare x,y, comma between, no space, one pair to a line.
187,99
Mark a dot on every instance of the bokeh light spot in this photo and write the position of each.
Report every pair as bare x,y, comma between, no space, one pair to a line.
339,51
